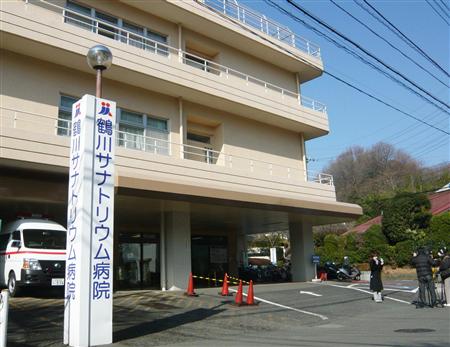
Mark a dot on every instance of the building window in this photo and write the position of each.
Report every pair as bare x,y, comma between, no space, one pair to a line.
74,19
138,131
197,62
65,115
199,148
131,130
103,28
131,39
153,45
198,138
116,28
201,60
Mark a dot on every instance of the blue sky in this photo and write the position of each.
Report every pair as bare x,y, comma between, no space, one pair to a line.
356,119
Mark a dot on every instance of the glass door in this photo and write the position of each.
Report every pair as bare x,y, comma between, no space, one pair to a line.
138,262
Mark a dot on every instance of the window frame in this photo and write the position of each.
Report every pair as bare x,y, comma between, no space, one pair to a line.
146,130
119,32
68,112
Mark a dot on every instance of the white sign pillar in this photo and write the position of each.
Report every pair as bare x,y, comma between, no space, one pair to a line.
90,221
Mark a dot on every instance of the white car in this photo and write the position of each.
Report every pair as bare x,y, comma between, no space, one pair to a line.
32,253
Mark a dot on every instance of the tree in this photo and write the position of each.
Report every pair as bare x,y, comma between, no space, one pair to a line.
381,170
374,240
403,252
405,216
269,240
330,251
439,231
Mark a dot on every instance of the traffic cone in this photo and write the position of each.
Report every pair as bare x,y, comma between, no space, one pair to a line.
250,295
225,291
238,300
190,288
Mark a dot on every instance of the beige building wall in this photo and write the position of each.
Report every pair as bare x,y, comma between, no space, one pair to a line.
246,140
233,58
240,138
41,32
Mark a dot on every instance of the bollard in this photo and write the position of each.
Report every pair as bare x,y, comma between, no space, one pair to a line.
4,307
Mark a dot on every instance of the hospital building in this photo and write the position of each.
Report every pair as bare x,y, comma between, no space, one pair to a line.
211,130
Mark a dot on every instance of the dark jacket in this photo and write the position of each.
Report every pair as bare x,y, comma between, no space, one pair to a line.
423,263
444,268
375,276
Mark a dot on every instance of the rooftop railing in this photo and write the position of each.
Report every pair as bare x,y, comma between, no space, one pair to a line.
62,127
117,33
260,22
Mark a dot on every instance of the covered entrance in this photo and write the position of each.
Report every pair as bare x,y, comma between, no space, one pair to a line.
209,257
138,261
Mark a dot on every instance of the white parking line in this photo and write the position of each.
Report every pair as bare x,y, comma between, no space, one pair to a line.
368,292
395,289
310,293
286,307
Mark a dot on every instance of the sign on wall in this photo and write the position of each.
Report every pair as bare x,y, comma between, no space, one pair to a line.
90,220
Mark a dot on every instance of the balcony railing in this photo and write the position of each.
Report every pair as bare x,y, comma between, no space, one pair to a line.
61,127
247,16
117,33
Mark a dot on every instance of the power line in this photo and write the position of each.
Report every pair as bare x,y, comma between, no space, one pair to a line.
431,147
444,9
389,43
406,39
436,11
299,57
385,103
345,38
271,3
445,5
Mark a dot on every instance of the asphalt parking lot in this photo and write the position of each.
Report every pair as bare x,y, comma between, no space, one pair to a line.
288,314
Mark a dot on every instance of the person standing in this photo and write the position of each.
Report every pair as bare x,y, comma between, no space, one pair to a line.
423,263
376,285
444,270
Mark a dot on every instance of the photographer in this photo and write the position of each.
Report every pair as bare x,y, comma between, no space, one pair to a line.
423,263
444,270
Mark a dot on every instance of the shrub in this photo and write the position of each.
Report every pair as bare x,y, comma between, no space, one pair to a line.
404,215
403,252
374,240
439,231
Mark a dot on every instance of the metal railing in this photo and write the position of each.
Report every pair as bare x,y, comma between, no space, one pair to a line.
117,33
319,177
62,127
260,22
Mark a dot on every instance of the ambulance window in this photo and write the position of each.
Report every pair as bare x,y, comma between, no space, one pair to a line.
3,241
16,235
41,238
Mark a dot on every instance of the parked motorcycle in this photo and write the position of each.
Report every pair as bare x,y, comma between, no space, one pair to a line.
341,272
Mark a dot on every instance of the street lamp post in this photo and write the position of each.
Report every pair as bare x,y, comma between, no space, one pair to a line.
88,307
99,58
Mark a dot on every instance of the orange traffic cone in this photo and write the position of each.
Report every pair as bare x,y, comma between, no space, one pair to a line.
225,291
238,300
250,295
190,288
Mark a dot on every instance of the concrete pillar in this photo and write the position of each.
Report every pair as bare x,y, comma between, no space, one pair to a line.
241,248
177,225
302,248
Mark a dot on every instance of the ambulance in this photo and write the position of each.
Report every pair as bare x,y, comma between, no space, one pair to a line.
32,254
